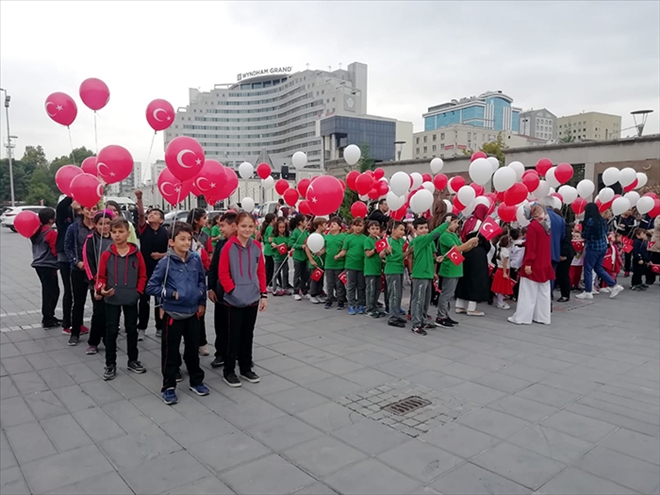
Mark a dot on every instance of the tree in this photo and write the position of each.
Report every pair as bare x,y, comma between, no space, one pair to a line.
493,148
34,156
41,192
79,155
567,137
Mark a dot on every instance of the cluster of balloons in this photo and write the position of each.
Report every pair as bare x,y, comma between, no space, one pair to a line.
321,195
629,180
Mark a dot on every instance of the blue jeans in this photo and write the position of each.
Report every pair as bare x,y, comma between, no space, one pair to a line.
593,260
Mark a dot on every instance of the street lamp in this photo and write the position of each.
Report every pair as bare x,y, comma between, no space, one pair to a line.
9,157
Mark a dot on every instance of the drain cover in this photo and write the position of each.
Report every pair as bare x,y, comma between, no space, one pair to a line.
407,405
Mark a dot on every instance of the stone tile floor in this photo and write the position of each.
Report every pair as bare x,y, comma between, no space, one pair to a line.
565,409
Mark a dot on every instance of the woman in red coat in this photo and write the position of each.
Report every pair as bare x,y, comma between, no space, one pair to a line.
536,271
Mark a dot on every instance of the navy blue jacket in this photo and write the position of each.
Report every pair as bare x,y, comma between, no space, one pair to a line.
557,233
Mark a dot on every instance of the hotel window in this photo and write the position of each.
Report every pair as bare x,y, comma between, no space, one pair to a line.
425,149
416,140
417,150
425,138
434,148
435,137
442,135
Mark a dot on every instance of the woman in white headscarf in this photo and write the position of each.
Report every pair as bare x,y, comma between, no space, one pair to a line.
536,272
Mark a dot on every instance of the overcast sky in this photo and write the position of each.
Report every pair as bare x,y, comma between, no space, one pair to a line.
566,56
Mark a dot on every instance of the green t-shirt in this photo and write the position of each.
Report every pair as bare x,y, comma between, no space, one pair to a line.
447,268
372,264
276,252
268,249
298,240
423,253
394,260
333,245
354,246
215,232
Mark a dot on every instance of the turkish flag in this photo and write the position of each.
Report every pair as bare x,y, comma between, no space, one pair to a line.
316,274
627,241
655,268
382,245
627,248
343,278
578,246
490,228
650,244
282,248
454,256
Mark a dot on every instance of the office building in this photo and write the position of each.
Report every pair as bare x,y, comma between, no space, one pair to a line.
274,110
129,184
491,110
540,124
589,126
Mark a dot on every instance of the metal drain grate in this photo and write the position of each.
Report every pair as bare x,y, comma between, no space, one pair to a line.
407,405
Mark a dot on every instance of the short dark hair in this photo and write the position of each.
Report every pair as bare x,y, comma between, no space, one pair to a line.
229,217
318,222
119,222
179,227
451,216
357,221
396,224
336,220
46,215
381,201
639,231
162,214
372,223
420,221
514,234
114,204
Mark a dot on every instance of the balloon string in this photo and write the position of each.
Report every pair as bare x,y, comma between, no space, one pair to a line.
98,258
176,214
96,136
148,166
73,158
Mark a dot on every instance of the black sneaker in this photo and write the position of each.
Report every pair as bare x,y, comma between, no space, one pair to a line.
178,377
136,367
444,322
159,333
232,380
51,324
375,314
328,305
74,339
395,322
340,306
453,322
109,372
217,362
251,376
429,326
419,330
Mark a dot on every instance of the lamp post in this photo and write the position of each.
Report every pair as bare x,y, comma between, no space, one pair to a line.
9,157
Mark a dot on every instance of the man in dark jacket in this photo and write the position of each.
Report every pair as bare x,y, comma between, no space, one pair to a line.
380,214
566,255
64,216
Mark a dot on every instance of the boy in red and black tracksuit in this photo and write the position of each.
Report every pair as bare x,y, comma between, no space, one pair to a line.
44,255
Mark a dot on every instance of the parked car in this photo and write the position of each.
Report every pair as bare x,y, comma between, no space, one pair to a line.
181,216
8,216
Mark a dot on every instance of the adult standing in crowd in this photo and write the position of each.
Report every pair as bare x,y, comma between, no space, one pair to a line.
654,248
557,233
566,255
380,214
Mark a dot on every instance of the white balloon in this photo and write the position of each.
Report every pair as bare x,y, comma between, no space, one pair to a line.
417,180
466,195
619,205
503,179
606,195
556,203
633,197
469,209
421,201
247,204
551,191
627,176
480,171
364,197
495,163
393,201
642,179
436,165
481,200
268,182
245,170
519,168
585,187
384,179
352,154
645,204
450,207
543,190
315,242
429,186
611,176
569,193
520,216
400,183
299,159
550,177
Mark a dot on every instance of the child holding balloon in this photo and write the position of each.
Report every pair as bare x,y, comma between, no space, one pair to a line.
44,255
316,260
334,240
353,251
298,239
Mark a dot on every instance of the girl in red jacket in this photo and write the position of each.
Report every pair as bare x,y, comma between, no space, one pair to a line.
612,260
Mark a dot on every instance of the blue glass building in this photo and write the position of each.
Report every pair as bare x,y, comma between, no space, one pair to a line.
339,131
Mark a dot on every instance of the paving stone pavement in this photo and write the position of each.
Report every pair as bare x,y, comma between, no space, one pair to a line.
563,409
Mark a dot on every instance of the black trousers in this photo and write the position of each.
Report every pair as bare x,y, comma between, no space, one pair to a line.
112,313
220,321
240,322
79,287
564,277
270,265
627,261
300,277
173,330
50,293
67,299
202,331
638,272
143,315
99,321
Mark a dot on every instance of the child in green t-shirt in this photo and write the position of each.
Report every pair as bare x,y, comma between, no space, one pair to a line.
353,251
373,267
266,236
299,235
334,241
280,237
316,261
393,256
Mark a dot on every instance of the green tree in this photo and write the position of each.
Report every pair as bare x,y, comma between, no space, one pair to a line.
41,192
34,156
567,137
366,163
493,148
79,155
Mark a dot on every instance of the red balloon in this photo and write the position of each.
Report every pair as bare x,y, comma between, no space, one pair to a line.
427,178
374,194
379,173
558,196
478,189
359,209
478,154
456,182
94,93
370,173
89,165
630,187
578,206
492,197
343,184
516,194
651,194
64,176
114,164
601,207
184,157
500,196
563,173
281,186
325,195
543,165
230,183
364,183
61,108
160,114
400,213
86,189
303,185
458,206
531,180
351,177
304,208
313,178
291,196
440,181
383,188
210,180
655,211
171,188
263,170
506,213
27,223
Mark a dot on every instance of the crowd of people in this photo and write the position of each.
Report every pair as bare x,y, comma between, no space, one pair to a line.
443,257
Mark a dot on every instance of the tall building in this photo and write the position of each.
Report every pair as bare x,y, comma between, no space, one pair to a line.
541,124
129,184
490,110
273,110
591,126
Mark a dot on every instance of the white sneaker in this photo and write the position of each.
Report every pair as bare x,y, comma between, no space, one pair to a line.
296,297
307,296
605,290
585,295
616,290
203,350
314,300
503,306
141,335
595,291
459,311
